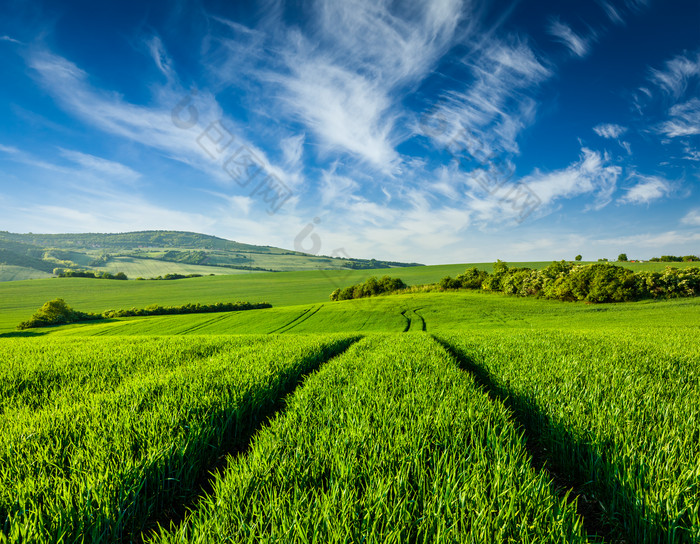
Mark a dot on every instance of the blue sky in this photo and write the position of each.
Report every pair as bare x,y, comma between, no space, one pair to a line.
439,131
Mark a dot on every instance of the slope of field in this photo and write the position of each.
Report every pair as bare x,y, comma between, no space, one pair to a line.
19,300
607,396
134,268
98,251
390,442
617,411
17,273
100,435
432,312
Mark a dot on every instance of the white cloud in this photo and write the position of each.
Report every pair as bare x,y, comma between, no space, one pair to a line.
9,149
648,189
673,78
7,38
692,218
102,167
564,34
488,115
684,119
609,130
612,12
161,58
342,74
293,150
347,111
155,126
591,174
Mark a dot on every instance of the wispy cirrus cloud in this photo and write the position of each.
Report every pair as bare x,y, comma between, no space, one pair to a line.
152,126
684,119
676,74
612,11
9,149
646,190
345,73
101,167
609,130
7,38
564,34
161,58
487,116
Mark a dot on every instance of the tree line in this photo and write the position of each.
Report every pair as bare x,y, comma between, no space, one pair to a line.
598,282
58,312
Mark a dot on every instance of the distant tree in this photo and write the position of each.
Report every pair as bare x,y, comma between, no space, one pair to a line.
578,257
622,258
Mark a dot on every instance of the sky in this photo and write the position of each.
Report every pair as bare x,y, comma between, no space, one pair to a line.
443,131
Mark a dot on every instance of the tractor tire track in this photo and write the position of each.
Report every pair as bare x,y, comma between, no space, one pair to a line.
301,320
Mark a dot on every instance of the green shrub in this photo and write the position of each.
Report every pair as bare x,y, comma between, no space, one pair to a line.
369,288
55,312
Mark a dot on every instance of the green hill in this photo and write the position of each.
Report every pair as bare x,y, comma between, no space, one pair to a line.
157,253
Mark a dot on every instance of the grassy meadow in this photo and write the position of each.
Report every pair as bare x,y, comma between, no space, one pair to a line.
458,416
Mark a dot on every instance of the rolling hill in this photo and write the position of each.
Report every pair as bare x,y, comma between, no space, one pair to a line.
149,254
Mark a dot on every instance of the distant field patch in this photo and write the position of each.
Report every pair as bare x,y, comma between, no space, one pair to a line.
10,272
150,268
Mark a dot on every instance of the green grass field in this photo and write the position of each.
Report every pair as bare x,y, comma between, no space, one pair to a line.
9,272
432,417
150,268
19,299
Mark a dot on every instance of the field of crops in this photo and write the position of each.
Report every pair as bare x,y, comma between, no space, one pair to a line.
618,413
433,417
101,436
19,299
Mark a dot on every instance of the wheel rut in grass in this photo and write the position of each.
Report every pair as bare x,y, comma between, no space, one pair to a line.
175,513
414,321
592,515
303,316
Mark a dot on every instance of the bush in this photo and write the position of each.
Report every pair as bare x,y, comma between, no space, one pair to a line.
369,288
600,282
55,312
192,308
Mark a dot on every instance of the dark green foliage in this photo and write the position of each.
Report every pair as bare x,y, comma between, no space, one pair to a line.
7,256
369,288
471,279
562,280
195,308
578,257
176,276
674,259
56,312
63,273
622,258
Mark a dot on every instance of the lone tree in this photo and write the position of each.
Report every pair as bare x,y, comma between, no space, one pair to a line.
622,258
578,257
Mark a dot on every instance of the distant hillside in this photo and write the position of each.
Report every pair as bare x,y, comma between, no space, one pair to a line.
150,254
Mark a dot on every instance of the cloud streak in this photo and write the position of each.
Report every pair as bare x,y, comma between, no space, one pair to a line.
609,130
648,189
563,33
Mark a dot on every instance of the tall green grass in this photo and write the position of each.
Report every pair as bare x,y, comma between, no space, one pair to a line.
99,436
388,443
618,411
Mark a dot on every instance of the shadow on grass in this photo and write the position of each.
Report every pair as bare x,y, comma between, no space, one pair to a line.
235,440
22,334
610,510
